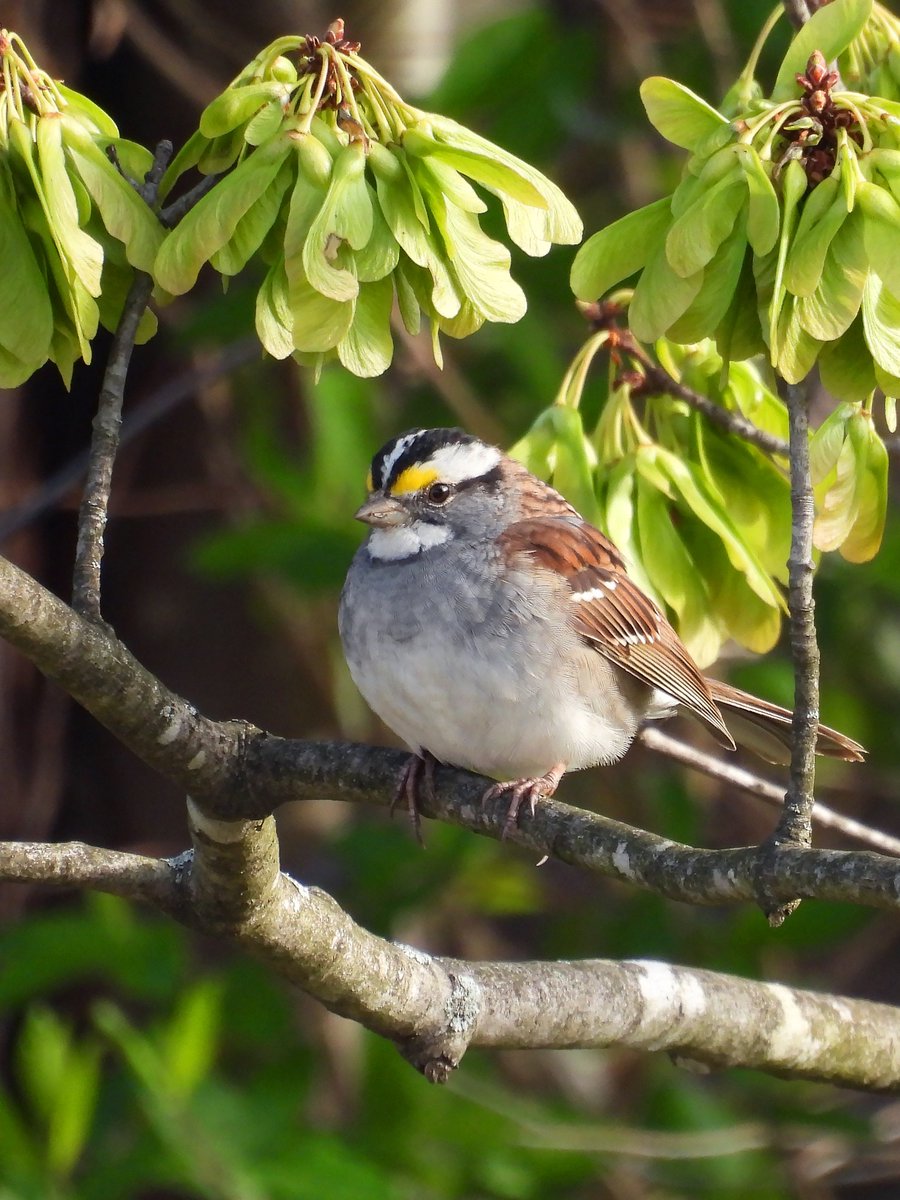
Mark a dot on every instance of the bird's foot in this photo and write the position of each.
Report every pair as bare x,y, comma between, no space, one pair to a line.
524,791
416,782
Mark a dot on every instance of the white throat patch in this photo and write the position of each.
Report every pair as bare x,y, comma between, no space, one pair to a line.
404,541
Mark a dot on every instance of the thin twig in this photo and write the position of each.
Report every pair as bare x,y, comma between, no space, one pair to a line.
107,424
799,11
104,445
157,405
764,789
149,188
795,823
658,380
172,213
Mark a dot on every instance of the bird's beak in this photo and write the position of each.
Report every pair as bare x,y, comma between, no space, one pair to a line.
382,512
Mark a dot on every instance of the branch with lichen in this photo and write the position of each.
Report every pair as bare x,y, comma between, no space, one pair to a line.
435,1008
230,885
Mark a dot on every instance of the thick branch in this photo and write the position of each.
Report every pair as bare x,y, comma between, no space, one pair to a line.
235,771
435,1008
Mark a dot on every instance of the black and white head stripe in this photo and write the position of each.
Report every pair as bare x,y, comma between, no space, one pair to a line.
453,456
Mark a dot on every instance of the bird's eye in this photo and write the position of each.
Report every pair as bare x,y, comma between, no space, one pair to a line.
438,493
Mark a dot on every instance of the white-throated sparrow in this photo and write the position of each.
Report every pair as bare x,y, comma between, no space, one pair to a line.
492,628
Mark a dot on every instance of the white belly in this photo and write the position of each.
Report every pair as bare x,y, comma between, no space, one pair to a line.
473,706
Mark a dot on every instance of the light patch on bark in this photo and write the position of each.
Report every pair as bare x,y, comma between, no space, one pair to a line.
412,952
173,729
622,860
669,997
224,832
791,1039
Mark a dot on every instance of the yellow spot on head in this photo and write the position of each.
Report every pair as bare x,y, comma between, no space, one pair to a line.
413,479
370,483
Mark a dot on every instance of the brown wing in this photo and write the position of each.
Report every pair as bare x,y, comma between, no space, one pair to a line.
613,614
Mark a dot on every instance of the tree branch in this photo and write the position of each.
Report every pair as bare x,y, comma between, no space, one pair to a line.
763,789
799,11
104,444
434,1008
795,824
235,771
158,404
659,382
107,423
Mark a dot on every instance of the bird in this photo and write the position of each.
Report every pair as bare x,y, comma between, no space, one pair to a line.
493,628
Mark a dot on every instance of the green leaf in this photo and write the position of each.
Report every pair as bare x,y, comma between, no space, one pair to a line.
881,229
91,115
837,496
660,297
614,253
26,315
793,188
674,574
236,105
124,213
742,557
864,539
191,1036
265,124
678,114
619,520
845,366
562,225
319,322
83,255
739,335
345,214
806,257
764,211
446,179
407,303
746,392
794,350
480,264
750,489
381,253
573,461
720,281
217,156
397,201
881,320
696,235
212,221
367,347
831,29
831,309
274,319
254,225
499,176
